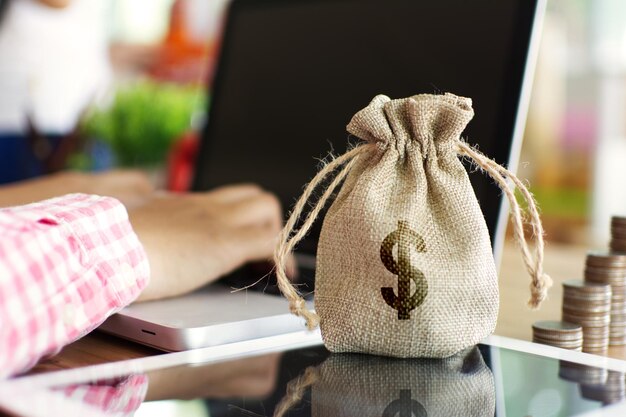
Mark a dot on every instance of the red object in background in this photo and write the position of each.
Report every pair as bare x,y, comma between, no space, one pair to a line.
182,161
181,59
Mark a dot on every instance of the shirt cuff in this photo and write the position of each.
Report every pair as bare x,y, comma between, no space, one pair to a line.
67,264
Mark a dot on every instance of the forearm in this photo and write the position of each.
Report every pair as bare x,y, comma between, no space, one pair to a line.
131,187
29,191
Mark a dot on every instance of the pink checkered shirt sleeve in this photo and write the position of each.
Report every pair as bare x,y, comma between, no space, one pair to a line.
66,264
122,397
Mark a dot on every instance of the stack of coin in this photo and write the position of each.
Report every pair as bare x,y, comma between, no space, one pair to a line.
618,234
610,268
588,304
582,374
559,334
611,392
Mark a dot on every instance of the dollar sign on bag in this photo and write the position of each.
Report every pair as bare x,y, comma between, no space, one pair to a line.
405,406
406,239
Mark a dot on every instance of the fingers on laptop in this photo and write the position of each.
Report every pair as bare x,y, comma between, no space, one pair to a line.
261,209
257,242
258,216
235,193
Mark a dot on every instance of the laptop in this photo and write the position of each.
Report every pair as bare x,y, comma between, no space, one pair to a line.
290,75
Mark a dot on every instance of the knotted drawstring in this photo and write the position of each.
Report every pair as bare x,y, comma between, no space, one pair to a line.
287,239
541,281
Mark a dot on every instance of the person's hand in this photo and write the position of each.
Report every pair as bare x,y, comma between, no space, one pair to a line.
193,239
131,187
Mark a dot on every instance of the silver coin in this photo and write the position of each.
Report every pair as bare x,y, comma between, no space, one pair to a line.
582,286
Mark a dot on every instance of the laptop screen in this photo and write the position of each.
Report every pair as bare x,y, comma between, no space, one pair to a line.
293,72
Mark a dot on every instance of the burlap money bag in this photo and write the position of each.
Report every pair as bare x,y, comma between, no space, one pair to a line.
361,385
404,262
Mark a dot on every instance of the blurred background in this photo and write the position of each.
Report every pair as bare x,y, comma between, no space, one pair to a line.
574,150
94,84
102,83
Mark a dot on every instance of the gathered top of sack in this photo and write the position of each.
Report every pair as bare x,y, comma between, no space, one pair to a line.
420,120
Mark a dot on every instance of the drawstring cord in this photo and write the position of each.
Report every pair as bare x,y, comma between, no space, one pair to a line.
541,281
288,239
286,242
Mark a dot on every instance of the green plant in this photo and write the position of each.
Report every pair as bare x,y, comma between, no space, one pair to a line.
144,120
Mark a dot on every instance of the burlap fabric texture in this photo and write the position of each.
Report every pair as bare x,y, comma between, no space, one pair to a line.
361,385
404,262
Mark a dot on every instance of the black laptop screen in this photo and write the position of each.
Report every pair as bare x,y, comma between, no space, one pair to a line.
293,72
